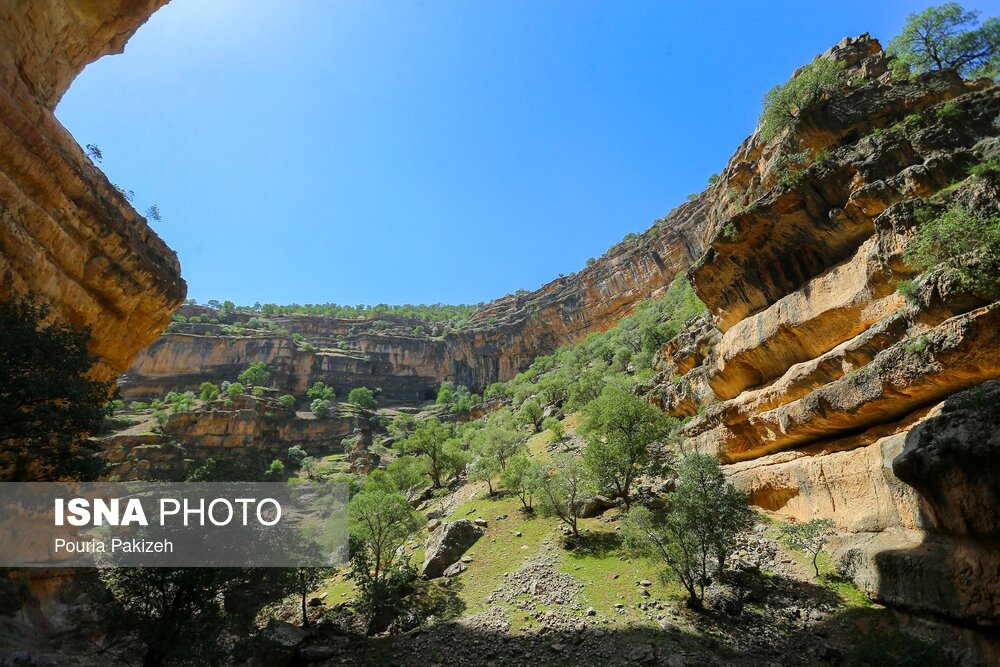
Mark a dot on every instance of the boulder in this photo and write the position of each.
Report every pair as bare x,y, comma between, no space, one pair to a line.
596,506
455,569
447,544
277,644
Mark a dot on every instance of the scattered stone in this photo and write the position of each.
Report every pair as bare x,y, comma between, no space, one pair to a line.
447,544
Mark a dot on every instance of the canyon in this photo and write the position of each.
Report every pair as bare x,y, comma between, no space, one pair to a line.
824,391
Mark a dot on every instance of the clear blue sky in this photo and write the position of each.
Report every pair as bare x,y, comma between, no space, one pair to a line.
420,151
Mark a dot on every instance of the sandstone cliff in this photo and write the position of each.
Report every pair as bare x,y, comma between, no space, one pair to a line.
501,339
826,391
67,233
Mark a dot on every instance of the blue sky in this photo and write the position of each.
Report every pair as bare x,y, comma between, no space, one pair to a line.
421,151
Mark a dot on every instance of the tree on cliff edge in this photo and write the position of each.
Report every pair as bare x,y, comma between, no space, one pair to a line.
945,37
48,406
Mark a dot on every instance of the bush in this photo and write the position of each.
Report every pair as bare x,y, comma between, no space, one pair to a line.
287,401
257,392
235,389
208,391
257,374
320,390
556,426
275,472
909,290
784,104
946,37
985,168
966,243
297,455
362,397
321,407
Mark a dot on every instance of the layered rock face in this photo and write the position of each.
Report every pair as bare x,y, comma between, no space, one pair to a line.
825,390
501,339
67,233
248,431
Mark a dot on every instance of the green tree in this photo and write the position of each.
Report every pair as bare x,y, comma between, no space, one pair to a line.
208,391
321,407
235,389
809,537
256,375
947,37
177,614
565,491
523,477
706,514
499,438
555,426
380,522
530,414
287,401
306,580
619,427
296,455
320,390
402,425
967,244
407,473
48,405
275,472
362,397
437,447
484,469
783,104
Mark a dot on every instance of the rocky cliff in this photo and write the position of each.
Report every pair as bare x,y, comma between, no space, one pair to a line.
501,339
67,233
828,393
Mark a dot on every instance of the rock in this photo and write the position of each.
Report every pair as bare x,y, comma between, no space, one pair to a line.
319,652
591,611
481,522
432,525
642,654
596,506
277,643
447,544
724,598
68,234
466,558
455,569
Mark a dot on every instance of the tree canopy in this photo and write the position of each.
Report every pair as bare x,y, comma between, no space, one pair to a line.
949,37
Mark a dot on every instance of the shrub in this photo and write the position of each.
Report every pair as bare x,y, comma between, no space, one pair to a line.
297,455
235,389
784,104
991,166
362,397
909,290
287,401
320,390
208,391
966,243
321,407
946,37
257,392
554,425
275,472
258,373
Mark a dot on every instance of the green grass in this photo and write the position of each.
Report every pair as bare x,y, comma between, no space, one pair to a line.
498,551
596,561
